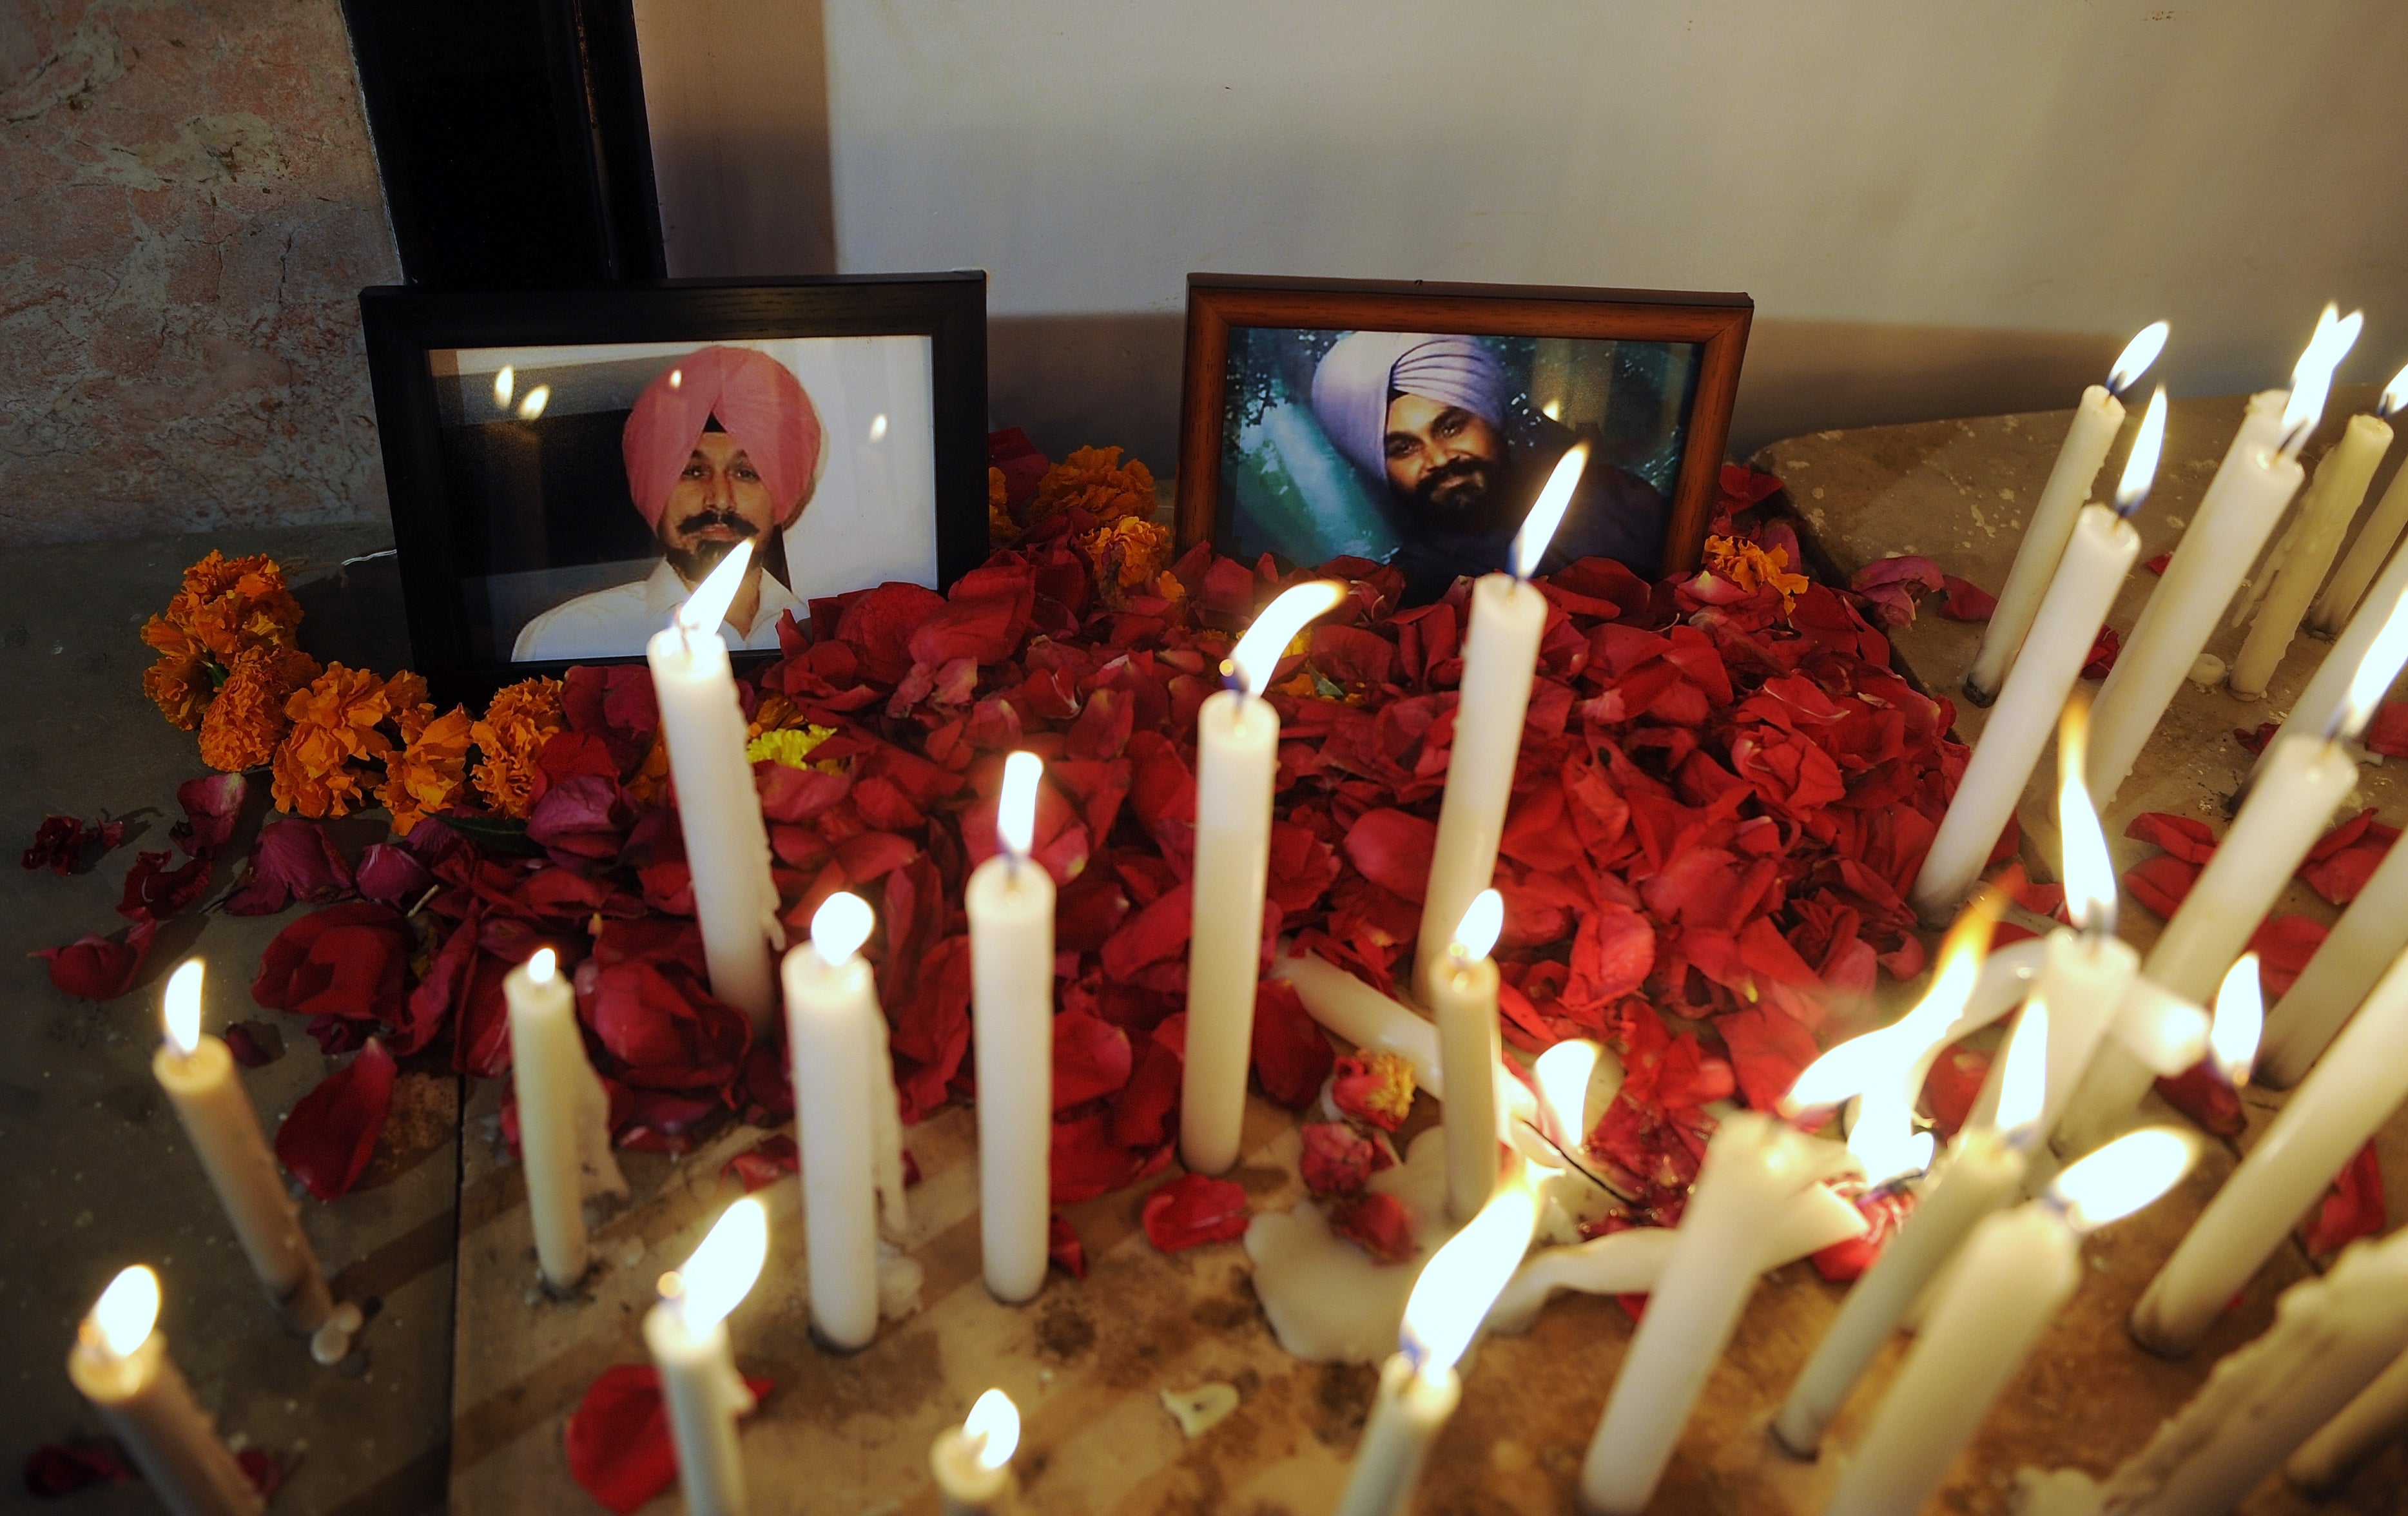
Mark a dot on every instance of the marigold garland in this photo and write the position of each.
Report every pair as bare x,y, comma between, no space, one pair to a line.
518,721
243,726
335,721
430,774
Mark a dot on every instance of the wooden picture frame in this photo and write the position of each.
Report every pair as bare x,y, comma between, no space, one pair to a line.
1220,304
443,511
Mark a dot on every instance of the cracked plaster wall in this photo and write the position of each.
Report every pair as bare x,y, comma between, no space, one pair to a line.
189,208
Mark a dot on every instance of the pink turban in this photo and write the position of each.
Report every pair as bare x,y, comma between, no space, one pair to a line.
758,403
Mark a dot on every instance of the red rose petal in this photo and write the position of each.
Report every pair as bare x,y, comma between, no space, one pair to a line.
1292,1055
1337,1160
1063,1249
99,968
2388,733
2254,739
1091,1059
618,1439
1193,1209
2157,564
2283,944
1380,1224
331,1133
212,804
2103,649
765,1163
2202,1094
2160,882
1393,849
2182,835
1885,1212
294,860
59,1468
1953,1085
1967,601
2351,1210
153,889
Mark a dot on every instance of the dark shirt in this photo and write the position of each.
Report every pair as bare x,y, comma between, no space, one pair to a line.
1614,514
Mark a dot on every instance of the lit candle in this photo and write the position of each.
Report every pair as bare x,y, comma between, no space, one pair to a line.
1010,904
2016,1271
564,1118
1500,655
1753,1166
2152,1034
973,1461
2290,803
1237,767
120,1364
1373,1022
2088,970
2369,934
2331,1338
2325,510
1984,1170
2100,554
687,1334
198,1074
2375,1419
1464,997
2352,1092
842,1078
2375,539
2093,430
1418,1387
719,812
2246,497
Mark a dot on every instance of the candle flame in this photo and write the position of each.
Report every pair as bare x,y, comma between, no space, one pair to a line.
1463,1279
1483,923
505,384
2376,670
2395,394
2122,1177
2137,356
2141,465
2240,1019
537,398
2312,376
126,1311
993,1429
2023,1084
707,606
1539,527
720,1274
544,965
1259,651
2089,872
839,927
1564,1072
1015,815
182,1006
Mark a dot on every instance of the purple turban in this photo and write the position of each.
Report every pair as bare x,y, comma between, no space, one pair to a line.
1350,388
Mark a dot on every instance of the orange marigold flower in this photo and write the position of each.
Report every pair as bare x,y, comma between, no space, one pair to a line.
1125,555
649,775
334,722
181,685
1749,566
1095,481
1001,530
431,773
246,721
519,721
406,696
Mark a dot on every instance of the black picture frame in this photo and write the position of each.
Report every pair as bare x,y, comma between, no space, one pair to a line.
403,326
1716,322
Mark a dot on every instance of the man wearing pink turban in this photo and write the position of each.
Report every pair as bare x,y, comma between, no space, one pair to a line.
1422,415
723,447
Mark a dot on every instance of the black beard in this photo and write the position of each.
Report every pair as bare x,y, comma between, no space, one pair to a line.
1456,496
693,563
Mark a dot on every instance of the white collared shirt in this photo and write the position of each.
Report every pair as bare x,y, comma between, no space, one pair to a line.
616,622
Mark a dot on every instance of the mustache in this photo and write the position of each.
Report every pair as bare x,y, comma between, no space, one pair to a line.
704,520
1450,473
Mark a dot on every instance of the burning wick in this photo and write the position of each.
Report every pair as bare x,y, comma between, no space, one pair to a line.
2089,872
2137,356
704,609
183,1010
2240,1020
839,927
2312,376
2374,674
2141,465
1015,815
1538,531
1251,663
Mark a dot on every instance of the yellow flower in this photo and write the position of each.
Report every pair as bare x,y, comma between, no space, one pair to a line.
518,721
430,773
792,748
1127,554
1095,481
1749,567
247,720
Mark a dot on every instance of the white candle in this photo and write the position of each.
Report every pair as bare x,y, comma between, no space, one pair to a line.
2323,702
120,1364
2087,437
1985,1171
726,846
2326,512
2018,1270
2098,554
198,1074
1371,1021
1237,767
838,1036
972,1462
1463,997
2242,502
2375,539
2152,1033
2347,1098
1418,1387
1010,903
2087,969
564,1118
2369,934
2377,1418
1754,1166
1500,655
687,1334
2330,1339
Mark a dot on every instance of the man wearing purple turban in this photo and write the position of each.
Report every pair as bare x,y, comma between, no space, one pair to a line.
1422,415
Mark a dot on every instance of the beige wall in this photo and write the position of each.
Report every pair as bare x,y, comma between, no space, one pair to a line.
1940,210
191,209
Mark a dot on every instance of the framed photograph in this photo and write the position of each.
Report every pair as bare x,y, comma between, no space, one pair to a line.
565,466
1414,423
